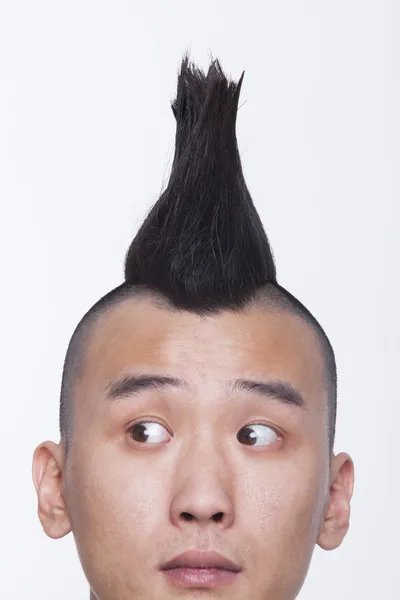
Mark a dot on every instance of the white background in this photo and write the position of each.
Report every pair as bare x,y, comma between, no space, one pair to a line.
86,144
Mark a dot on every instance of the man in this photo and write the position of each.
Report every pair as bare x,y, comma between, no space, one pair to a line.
198,400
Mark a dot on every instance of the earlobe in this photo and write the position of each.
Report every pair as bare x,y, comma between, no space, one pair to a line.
337,514
47,478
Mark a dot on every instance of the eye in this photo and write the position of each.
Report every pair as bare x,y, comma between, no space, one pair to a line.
141,432
248,435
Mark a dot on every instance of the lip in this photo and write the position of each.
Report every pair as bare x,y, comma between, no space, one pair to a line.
193,559
200,570
190,577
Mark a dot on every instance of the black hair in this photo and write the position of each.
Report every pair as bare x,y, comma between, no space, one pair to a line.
202,247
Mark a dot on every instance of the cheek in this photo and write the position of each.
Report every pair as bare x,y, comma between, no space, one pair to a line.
279,513
115,508
282,506
113,502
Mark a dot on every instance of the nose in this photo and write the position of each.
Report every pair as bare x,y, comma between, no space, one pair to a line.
201,508
203,494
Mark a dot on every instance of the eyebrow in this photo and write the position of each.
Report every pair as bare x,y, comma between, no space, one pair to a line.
275,389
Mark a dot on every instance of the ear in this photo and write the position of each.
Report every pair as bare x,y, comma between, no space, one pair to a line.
47,469
337,513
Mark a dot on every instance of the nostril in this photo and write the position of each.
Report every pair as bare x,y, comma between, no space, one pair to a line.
187,516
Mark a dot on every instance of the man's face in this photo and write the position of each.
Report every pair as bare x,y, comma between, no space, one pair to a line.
156,472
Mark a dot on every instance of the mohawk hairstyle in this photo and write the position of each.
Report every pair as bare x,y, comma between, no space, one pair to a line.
202,247
203,243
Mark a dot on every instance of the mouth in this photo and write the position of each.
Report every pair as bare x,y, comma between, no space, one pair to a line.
200,569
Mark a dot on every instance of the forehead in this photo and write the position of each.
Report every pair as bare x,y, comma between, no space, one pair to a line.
261,343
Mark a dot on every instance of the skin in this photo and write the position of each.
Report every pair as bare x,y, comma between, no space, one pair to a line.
126,500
